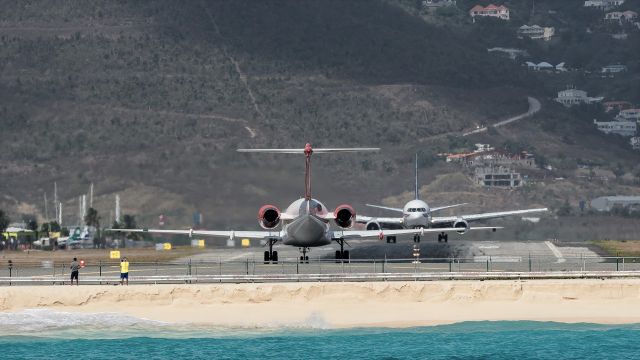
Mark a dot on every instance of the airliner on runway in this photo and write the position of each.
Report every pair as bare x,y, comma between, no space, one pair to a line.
306,222
417,214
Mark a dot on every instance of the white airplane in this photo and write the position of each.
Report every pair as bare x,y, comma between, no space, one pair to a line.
417,214
306,222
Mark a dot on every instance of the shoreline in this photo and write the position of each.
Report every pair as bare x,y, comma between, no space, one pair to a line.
345,304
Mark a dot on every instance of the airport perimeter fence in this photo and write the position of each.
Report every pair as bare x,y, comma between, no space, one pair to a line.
48,272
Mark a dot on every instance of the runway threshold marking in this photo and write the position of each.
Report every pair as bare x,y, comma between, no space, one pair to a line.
555,251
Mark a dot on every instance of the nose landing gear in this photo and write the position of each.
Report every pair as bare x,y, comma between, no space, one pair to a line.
443,237
304,258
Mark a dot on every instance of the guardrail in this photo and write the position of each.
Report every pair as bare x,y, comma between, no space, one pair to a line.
319,269
353,277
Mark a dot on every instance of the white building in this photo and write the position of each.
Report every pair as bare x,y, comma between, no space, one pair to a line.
500,12
622,128
603,4
635,142
542,66
629,115
621,16
572,97
613,69
536,32
438,3
606,203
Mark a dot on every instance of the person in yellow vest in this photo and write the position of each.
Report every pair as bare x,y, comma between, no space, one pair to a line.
124,271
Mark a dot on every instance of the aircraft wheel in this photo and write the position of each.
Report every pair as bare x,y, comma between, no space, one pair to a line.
446,237
306,259
274,258
439,237
345,255
266,257
338,255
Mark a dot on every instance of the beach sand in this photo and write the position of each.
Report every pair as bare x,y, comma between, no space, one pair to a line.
344,304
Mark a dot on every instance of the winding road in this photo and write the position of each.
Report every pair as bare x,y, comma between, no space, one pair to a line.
534,107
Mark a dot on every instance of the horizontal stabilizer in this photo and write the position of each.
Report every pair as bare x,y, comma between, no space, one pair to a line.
302,151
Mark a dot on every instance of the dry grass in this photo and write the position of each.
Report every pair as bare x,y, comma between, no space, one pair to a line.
620,247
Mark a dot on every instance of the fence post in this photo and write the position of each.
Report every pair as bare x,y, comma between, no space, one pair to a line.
10,271
529,262
450,264
488,263
617,261
100,267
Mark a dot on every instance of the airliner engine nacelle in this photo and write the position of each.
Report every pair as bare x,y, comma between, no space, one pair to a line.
268,216
461,224
345,216
373,225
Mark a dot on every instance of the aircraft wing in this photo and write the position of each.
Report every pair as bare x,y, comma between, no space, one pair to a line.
483,216
380,234
361,219
385,208
191,232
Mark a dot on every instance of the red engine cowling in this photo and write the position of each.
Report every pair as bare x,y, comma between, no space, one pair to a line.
345,216
268,216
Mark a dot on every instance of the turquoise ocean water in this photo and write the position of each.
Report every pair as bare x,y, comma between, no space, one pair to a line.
41,334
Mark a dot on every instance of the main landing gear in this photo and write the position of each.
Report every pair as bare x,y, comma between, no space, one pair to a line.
391,240
304,258
416,238
341,254
443,237
271,256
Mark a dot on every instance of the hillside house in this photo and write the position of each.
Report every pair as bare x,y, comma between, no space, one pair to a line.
500,12
613,69
629,115
606,203
545,66
498,176
571,97
603,4
536,32
610,106
635,143
438,3
622,128
621,16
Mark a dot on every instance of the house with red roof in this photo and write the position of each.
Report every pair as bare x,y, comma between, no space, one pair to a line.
491,10
616,105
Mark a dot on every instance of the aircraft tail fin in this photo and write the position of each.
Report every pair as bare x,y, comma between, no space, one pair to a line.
417,191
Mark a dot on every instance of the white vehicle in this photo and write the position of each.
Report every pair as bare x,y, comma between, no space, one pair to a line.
306,222
417,214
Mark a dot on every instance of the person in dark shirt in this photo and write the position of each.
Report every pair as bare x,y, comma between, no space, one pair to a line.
75,267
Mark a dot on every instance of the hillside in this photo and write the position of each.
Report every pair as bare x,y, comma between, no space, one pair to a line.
149,100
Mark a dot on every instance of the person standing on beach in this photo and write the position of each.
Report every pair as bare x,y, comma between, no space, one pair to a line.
124,271
75,268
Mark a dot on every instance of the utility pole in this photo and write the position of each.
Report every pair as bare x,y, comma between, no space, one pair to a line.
46,208
118,208
55,199
91,196
60,214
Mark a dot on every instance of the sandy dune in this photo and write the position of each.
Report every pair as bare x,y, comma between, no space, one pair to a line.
393,304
